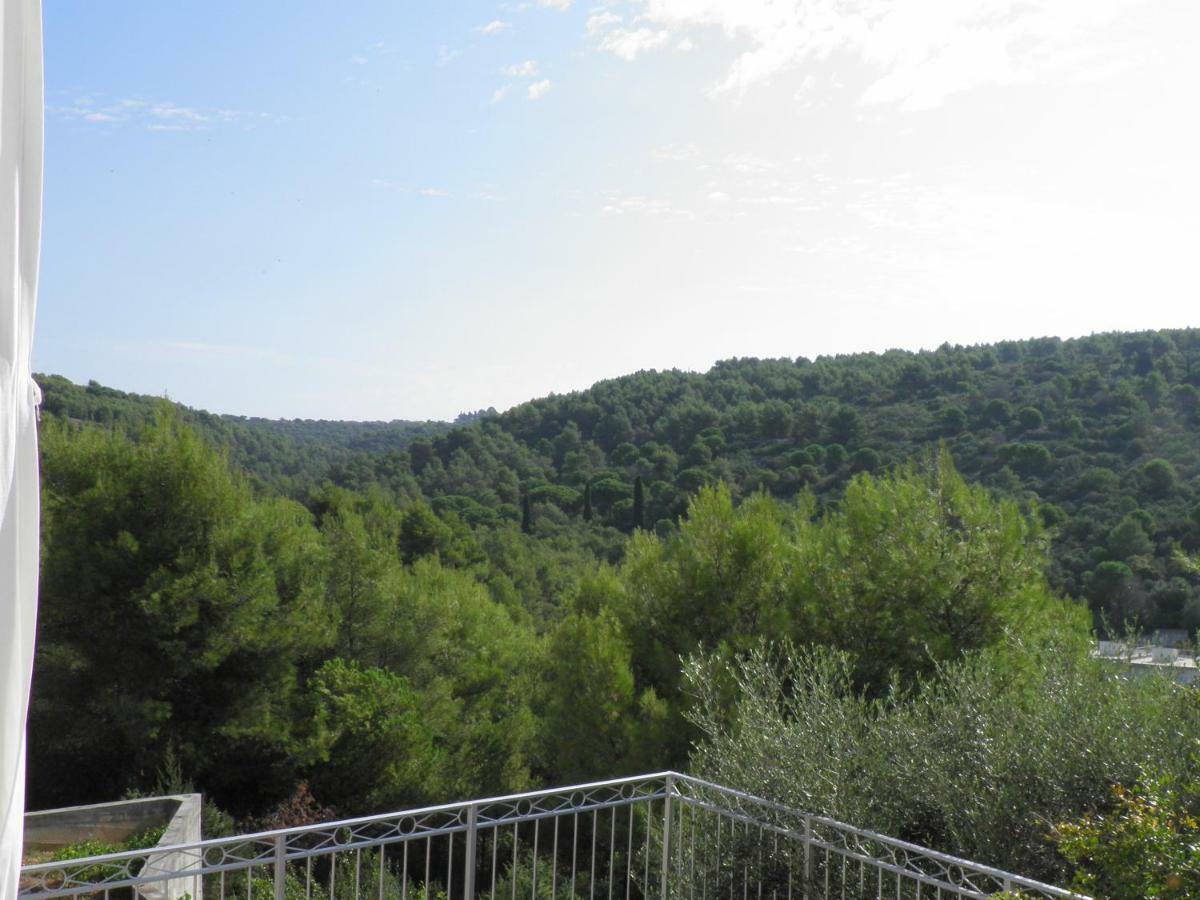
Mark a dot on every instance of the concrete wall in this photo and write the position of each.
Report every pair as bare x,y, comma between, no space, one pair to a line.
113,823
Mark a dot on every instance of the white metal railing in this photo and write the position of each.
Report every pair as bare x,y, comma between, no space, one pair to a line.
664,836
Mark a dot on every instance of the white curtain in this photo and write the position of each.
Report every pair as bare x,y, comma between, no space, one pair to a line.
20,233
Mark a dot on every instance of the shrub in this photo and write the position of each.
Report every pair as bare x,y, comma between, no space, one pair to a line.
1146,845
977,760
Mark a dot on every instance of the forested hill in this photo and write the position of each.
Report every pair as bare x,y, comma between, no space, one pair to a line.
1101,431
288,454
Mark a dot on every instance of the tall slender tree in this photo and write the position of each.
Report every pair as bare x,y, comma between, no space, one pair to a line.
587,502
526,515
639,503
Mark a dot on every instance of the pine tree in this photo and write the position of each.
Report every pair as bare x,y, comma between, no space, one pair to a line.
587,502
526,515
639,503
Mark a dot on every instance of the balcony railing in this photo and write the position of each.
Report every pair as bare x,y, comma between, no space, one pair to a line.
652,837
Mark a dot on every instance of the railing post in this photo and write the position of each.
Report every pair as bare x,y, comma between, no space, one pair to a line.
807,856
469,854
666,841
280,866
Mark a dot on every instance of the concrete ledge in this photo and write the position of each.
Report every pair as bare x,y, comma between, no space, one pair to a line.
114,823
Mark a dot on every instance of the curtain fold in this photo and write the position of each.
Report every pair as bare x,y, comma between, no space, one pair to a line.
21,121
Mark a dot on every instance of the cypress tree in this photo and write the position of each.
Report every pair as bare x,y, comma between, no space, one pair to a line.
639,503
526,515
587,502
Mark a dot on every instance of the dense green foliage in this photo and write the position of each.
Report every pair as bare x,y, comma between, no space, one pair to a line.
77,850
981,759
388,655
181,615
1147,845
396,613
289,454
912,568
1101,431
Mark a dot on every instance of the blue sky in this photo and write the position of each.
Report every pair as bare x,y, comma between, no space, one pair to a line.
407,210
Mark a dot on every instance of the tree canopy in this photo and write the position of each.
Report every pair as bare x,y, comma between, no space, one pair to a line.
400,613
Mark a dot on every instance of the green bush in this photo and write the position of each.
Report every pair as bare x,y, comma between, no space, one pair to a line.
84,849
1146,845
977,760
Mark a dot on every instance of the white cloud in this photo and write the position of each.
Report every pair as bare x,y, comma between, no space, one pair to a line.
539,88
446,55
922,50
688,152
630,43
527,69
501,92
358,60
654,207
748,163
770,200
392,184
555,4
154,115
601,21
493,27
684,45
171,112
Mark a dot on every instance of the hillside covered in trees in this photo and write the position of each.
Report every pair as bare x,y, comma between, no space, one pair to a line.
1101,433
289,455
668,569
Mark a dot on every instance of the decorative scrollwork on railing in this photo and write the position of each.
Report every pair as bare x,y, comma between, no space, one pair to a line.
657,837
585,798
905,860
882,855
